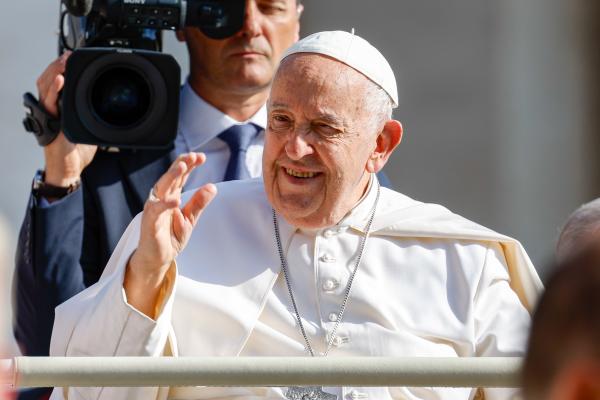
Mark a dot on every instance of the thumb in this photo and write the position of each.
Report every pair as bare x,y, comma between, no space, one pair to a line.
194,207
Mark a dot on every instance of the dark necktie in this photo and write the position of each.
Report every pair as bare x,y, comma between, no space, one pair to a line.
238,138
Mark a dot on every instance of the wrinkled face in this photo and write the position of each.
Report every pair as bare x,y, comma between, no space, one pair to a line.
247,60
318,140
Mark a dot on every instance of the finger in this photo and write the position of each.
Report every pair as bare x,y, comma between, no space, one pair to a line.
181,230
198,161
156,218
189,159
174,189
155,208
46,79
162,188
184,220
50,101
192,160
177,175
180,172
201,198
156,223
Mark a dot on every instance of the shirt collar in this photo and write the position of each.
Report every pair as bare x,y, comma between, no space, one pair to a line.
200,122
358,217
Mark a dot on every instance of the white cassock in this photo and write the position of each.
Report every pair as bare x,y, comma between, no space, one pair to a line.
431,283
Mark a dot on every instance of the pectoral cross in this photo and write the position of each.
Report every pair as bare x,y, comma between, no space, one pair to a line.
308,393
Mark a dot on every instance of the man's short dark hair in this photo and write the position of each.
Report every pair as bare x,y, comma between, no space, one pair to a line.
566,322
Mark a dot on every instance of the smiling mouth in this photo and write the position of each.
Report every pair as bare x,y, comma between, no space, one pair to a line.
299,174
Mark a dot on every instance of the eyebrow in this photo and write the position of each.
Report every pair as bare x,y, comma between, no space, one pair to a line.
325,116
278,105
330,118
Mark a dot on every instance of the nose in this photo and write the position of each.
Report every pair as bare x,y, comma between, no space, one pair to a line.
298,147
251,27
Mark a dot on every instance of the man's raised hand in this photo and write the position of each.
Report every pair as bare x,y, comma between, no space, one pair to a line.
165,231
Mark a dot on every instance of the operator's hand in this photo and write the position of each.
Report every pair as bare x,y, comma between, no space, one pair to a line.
64,160
165,231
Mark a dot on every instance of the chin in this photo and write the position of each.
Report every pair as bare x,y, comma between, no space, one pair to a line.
250,85
297,210
303,218
252,71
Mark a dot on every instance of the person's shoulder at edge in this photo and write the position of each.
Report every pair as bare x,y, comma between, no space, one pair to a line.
397,208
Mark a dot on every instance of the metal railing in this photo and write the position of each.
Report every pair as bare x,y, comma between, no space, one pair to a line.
260,371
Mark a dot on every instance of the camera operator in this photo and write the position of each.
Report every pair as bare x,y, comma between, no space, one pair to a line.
84,199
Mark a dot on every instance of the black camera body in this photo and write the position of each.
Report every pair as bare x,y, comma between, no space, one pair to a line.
120,89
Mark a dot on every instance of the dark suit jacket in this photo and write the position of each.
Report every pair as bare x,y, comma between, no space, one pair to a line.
64,247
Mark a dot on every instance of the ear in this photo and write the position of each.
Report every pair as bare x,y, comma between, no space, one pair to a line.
577,382
589,384
180,35
387,140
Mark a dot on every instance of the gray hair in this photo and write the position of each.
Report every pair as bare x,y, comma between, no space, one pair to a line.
378,104
579,228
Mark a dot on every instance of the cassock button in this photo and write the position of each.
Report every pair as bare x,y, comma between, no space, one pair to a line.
328,258
333,317
329,233
338,341
355,394
330,284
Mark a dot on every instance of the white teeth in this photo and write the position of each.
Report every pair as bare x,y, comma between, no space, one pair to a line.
299,174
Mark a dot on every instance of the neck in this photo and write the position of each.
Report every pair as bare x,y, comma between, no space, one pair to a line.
239,104
362,189
316,222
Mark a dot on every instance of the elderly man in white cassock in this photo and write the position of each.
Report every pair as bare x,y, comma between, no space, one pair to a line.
314,259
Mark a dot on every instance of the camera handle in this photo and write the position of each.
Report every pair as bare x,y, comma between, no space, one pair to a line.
38,121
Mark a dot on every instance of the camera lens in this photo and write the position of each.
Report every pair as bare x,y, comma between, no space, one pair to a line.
120,97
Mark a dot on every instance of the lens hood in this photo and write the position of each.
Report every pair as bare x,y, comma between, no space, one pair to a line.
121,98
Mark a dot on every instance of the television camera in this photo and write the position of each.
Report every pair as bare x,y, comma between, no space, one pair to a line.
120,89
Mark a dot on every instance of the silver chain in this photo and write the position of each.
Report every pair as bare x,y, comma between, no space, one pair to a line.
284,267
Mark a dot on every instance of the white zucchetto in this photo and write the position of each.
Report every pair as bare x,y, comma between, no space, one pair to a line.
353,51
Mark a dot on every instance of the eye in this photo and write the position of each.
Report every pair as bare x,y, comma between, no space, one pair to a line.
272,7
325,129
280,122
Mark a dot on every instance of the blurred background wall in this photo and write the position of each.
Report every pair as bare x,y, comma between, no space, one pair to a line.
6,346
498,99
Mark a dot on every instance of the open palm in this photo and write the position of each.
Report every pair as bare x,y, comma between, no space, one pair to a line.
166,228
